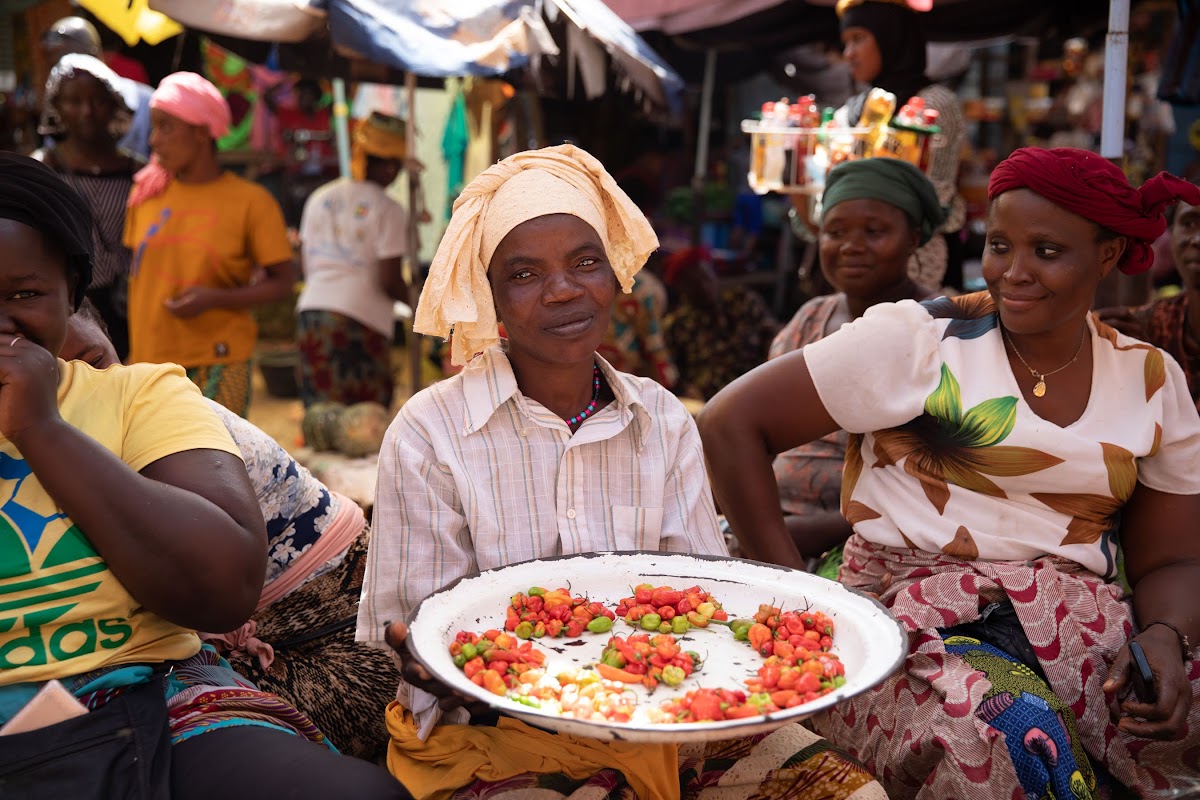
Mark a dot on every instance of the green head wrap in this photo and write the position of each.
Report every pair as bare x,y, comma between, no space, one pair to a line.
895,182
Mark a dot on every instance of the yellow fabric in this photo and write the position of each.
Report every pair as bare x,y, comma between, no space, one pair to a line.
213,234
63,612
842,5
373,140
457,295
455,755
133,20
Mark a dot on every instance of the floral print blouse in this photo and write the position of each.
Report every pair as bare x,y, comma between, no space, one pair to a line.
946,456
296,506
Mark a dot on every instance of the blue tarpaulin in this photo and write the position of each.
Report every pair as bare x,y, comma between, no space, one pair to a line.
492,37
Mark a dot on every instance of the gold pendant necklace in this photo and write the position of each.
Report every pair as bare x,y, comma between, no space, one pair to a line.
1039,387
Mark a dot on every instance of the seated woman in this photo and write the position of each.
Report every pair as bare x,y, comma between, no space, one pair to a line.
1173,323
875,213
535,449
995,439
713,334
300,644
130,523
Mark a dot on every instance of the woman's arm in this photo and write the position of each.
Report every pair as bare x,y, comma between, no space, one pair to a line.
391,273
1160,534
185,536
276,285
766,411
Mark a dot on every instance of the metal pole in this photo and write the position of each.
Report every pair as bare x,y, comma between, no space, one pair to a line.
710,79
704,128
341,126
1116,56
414,250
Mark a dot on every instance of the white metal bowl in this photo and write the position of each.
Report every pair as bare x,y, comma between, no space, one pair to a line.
868,640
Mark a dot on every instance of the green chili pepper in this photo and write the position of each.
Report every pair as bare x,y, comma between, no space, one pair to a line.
759,699
536,591
680,625
650,622
741,629
483,645
839,681
460,660
527,701
470,651
524,630
600,624
672,675
612,658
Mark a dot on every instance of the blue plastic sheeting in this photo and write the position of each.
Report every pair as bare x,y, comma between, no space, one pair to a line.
476,37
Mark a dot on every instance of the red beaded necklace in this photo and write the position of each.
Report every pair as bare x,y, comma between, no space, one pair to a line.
591,407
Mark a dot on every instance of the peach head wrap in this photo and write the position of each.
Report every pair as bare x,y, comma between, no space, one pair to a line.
554,180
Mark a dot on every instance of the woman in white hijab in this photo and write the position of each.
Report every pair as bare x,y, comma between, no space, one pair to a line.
537,448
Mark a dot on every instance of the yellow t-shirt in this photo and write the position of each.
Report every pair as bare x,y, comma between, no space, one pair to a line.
62,612
212,234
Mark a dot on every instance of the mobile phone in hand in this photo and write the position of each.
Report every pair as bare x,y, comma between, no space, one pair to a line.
1144,688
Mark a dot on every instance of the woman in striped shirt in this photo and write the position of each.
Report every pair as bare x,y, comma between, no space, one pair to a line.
85,115
537,449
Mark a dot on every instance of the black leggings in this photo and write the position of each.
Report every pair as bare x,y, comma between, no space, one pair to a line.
255,762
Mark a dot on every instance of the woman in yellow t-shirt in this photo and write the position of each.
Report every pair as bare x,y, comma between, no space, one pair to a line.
127,523
207,247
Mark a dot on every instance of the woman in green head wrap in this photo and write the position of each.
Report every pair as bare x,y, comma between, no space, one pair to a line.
875,214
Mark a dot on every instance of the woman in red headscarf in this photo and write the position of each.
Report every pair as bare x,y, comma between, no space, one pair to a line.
1002,445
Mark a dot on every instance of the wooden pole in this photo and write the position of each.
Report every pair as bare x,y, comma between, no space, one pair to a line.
414,250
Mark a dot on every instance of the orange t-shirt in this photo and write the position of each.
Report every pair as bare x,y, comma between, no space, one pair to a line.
213,234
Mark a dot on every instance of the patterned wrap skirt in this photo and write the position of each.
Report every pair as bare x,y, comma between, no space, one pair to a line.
342,684
964,720
342,360
227,384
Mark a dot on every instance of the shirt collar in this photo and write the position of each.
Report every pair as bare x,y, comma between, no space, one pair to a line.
488,383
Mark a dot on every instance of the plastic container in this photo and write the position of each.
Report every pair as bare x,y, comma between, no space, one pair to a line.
794,146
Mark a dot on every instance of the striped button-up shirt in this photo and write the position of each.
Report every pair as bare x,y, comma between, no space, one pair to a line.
474,475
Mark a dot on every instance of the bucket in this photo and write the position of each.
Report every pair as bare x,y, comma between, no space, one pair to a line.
278,369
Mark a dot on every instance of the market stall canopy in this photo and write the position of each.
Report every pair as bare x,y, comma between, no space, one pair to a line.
750,34
133,20
449,38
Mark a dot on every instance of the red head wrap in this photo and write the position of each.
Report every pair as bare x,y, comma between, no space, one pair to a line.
1096,189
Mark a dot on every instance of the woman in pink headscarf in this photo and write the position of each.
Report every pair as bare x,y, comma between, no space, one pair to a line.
208,247
1006,449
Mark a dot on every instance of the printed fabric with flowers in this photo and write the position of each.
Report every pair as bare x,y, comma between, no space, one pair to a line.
296,506
946,456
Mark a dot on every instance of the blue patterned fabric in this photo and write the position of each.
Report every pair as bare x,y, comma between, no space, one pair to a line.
296,506
1035,723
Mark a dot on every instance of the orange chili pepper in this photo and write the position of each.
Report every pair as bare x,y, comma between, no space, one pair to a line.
494,682
614,674
758,635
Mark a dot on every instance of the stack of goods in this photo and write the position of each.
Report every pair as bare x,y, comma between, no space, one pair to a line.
795,145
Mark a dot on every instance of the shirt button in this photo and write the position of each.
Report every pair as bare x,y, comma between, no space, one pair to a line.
570,513
524,432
